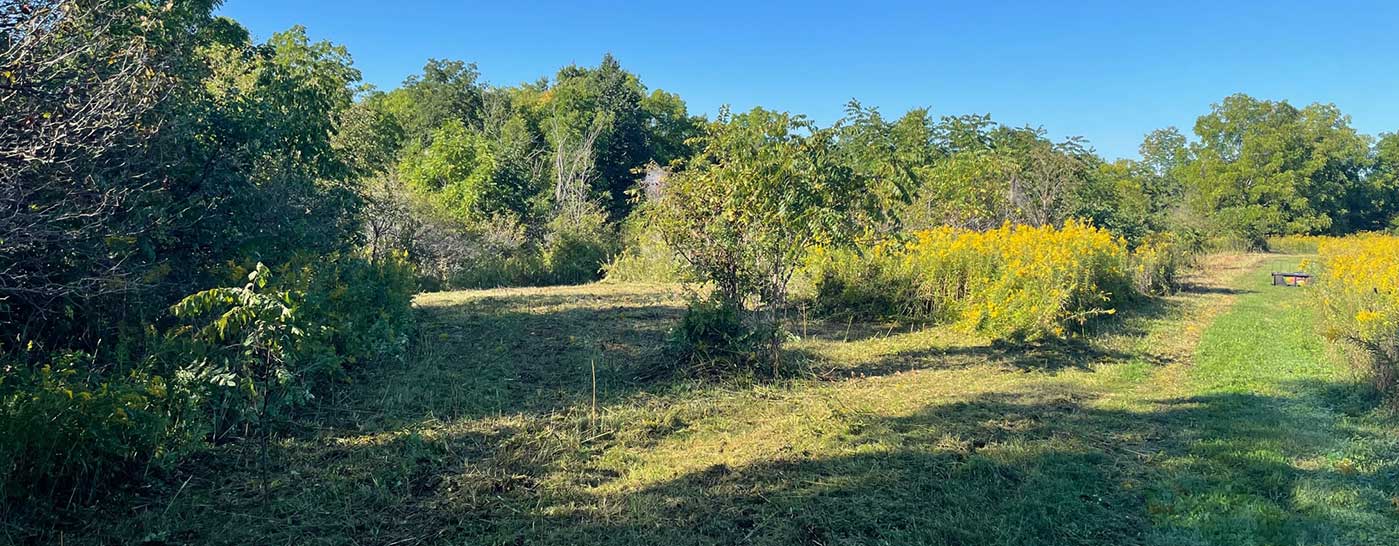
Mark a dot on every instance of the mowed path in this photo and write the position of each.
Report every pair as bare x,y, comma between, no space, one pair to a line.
1280,448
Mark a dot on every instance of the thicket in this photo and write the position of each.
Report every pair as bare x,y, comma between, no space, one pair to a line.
762,189
485,186
149,152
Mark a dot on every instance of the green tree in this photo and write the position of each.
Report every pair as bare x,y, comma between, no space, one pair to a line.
1164,151
370,137
764,188
668,127
445,91
457,171
1383,182
1264,167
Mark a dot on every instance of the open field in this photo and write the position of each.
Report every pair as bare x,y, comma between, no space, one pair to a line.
1215,416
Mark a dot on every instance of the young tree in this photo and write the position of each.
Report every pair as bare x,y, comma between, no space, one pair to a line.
763,189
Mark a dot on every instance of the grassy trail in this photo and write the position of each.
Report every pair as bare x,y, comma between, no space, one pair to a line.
1273,456
1216,416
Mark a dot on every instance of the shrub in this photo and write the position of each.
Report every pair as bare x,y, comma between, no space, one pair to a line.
645,257
764,188
1015,282
68,430
485,254
72,424
1358,278
576,248
1157,262
716,338
1295,244
363,309
1233,243
497,251
278,340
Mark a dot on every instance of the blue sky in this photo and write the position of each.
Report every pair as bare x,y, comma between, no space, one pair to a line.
1107,71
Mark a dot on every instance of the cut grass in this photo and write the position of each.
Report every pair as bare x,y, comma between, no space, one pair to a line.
1212,417
1278,453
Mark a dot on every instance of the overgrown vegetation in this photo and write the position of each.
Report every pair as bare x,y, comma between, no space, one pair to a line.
148,152
1359,286
764,187
1014,282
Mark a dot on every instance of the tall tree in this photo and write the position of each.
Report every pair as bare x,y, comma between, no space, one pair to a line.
1383,184
446,90
1264,167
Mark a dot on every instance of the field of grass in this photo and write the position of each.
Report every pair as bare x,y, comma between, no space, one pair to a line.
1215,416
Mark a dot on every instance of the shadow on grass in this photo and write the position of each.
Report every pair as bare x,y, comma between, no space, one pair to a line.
1016,470
527,352
1050,357
1189,288
536,353
1098,341
1050,466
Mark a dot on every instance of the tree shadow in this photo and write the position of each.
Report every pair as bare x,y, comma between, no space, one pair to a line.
1100,340
1014,469
850,328
1048,357
1202,289
1050,466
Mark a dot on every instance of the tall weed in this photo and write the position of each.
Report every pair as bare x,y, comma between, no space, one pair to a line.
1014,282
1358,278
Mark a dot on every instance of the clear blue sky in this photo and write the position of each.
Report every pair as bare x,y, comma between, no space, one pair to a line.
1107,71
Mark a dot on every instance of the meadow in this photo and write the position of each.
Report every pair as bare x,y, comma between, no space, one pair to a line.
1174,423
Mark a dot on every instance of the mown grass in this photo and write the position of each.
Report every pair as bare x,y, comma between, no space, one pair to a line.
1216,416
1281,451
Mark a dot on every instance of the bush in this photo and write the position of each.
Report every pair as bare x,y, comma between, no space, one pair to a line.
1295,244
1015,282
285,336
362,309
484,254
1233,243
1157,262
717,339
645,257
497,252
576,248
68,430
1358,278
72,424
